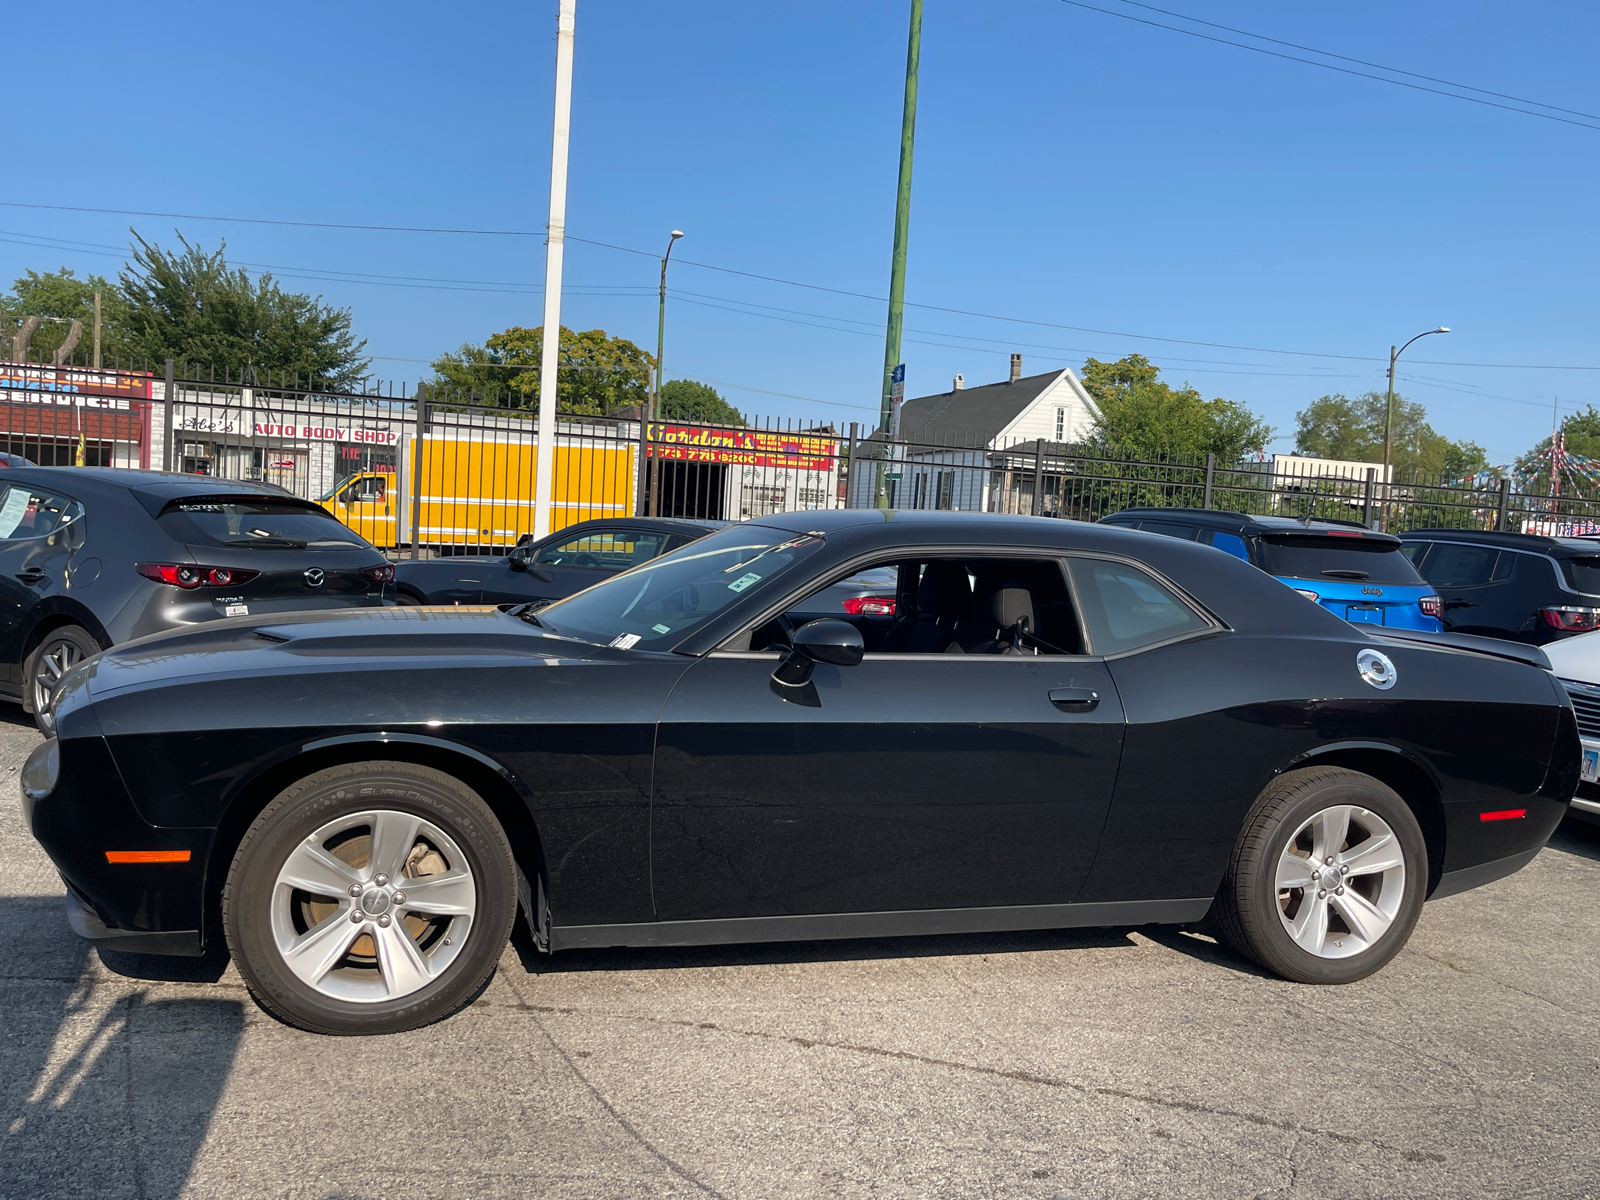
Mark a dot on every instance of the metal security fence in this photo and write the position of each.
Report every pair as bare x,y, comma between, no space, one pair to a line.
439,474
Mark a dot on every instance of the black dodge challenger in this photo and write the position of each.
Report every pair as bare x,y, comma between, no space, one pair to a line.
1066,725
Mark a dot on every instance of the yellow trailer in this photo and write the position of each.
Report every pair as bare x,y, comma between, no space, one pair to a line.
478,492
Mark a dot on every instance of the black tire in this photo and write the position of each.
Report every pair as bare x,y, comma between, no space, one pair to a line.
62,648
1255,913
406,599
329,797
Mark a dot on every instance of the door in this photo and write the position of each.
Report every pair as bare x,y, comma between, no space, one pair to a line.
916,782
39,531
367,504
569,563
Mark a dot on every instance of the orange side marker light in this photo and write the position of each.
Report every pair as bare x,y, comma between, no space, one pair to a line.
1504,814
147,856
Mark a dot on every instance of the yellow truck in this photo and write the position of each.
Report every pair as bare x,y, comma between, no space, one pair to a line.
478,491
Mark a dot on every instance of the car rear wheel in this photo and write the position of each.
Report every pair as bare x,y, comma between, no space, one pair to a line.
370,898
61,650
406,598
1327,878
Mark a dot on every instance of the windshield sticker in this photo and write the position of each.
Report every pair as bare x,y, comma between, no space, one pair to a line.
624,641
662,628
744,581
12,511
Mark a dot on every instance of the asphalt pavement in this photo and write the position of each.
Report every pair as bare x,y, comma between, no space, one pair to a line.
1087,1064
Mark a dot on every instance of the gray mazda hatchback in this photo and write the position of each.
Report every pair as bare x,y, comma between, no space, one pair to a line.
92,557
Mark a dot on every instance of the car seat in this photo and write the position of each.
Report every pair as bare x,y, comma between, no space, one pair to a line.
944,597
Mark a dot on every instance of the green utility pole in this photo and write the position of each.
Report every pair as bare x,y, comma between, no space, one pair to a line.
902,223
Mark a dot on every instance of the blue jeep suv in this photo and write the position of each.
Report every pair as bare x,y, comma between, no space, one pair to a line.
1352,571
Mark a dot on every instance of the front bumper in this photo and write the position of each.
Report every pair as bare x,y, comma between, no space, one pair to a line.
140,907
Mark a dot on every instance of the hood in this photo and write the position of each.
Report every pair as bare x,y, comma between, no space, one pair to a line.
1576,658
329,639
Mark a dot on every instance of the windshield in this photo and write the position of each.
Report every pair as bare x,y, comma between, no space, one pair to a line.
653,606
1338,558
261,524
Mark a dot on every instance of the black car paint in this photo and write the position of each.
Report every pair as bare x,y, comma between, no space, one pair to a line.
505,579
923,793
84,574
1507,607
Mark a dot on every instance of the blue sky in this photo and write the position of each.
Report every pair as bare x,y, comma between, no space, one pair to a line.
1072,169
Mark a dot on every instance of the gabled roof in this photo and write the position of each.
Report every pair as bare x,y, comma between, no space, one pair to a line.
973,416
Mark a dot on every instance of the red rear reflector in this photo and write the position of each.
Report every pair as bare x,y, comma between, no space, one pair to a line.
147,856
1504,814
869,606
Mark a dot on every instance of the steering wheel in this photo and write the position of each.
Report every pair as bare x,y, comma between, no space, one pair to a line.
586,560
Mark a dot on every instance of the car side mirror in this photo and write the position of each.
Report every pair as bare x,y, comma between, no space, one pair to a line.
517,561
826,641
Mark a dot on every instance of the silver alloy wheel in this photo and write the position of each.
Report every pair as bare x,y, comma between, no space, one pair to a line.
1340,881
373,906
55,660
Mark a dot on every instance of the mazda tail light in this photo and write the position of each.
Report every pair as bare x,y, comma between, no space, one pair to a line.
191,575
1430,606
869,606
1571,620
379,574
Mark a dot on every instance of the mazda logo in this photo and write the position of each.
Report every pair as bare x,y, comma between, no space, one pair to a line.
314,577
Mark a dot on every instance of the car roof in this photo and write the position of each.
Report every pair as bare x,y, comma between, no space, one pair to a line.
1558,547
1247,523
165,485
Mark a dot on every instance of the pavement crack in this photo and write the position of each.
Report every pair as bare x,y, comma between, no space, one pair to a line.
1010,1073
648,1146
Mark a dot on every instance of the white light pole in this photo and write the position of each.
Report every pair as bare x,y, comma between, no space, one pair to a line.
545,461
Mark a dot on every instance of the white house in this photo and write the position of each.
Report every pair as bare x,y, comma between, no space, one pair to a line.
961,449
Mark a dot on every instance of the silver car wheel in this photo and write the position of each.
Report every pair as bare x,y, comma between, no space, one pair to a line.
373,906
56,658
1340,882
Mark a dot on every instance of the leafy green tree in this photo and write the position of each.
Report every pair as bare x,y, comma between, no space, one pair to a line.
686,400
596,373
65,297
1140,416
192,307
1335,426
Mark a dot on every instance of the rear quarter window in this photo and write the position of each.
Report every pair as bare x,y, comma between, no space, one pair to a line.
1453,565
1125,608
1584,574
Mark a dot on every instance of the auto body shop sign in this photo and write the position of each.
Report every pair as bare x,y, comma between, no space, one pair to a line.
743,447
324,432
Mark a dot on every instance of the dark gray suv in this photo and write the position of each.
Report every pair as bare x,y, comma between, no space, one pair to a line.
92,557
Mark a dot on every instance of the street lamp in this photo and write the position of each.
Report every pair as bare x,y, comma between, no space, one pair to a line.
1388,417
661,327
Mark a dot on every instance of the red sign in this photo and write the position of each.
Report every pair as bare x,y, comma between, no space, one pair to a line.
744,447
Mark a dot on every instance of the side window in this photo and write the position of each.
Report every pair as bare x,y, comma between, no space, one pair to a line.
1458,566
1170,529
1125,608
25,513
1231,543
1414,552
613,550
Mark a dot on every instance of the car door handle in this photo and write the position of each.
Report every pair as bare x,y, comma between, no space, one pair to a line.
1075,699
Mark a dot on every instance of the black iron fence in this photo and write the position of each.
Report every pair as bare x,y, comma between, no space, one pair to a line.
438,474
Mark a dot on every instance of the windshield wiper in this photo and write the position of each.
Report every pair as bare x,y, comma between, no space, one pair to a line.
1337,573
525,612
275,543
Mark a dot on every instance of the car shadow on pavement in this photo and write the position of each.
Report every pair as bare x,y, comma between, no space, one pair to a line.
104,1090
652,958
1577,837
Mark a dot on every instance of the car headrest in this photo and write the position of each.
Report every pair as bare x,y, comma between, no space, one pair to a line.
1006,603
944,590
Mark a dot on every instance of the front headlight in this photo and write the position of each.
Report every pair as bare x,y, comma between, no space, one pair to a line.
42,770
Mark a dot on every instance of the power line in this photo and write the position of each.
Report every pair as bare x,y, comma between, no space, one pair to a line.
1466,87
1311,62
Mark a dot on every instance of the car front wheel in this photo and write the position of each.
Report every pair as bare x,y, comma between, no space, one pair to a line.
1327,878
370,898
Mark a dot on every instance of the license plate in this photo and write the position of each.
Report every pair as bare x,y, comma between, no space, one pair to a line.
1591,766
1370,614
